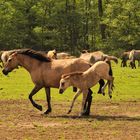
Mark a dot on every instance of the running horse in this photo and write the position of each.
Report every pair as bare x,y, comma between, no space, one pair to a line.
45,72
87,79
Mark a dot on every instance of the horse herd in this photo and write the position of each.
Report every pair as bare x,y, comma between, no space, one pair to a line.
61,70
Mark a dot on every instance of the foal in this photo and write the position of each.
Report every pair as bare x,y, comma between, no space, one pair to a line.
85,80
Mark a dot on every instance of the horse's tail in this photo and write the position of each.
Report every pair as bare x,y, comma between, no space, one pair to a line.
110,70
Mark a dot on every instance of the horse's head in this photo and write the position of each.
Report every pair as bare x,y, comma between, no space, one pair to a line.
11,64
64,84
52,54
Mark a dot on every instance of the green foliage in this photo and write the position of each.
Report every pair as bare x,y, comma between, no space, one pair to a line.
69,25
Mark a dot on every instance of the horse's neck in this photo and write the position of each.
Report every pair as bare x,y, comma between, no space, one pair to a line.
76,80
28,63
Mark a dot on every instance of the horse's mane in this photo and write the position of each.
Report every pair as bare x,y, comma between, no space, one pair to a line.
72,74
34,54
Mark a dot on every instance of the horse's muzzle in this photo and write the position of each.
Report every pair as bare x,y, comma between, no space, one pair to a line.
61,91
5,72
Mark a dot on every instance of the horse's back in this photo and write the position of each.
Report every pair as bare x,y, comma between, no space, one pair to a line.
92,57
54,70
99,67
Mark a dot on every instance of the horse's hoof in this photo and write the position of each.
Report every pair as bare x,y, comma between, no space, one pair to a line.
110,96
85,114
69,112
103,94
47,111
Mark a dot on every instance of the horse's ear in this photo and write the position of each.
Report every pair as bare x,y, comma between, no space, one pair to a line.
14,54
65,76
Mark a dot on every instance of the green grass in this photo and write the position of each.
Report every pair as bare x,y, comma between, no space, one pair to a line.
18,84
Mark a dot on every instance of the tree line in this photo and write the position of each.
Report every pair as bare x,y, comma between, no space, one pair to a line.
70,25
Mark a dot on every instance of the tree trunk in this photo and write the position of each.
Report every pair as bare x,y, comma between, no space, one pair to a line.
102,26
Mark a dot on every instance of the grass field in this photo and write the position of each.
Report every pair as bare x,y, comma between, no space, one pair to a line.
116,118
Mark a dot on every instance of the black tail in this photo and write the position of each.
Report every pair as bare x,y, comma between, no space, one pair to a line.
110,71
110,68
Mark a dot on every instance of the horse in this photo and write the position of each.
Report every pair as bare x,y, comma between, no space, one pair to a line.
45,72
125,58
87,79
134,55
93,57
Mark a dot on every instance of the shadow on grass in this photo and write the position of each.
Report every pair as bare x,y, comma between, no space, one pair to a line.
99,117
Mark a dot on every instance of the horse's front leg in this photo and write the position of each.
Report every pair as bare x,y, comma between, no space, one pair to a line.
33,92
48,97
75,97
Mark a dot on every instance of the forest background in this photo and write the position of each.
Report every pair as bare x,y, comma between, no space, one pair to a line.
70,25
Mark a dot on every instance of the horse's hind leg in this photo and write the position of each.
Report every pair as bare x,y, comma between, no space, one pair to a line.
74,89
88,103
75,97
110,87
33,92
138,63
48,97
101,82
103,88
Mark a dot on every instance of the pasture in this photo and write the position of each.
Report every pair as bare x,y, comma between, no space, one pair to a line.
116,118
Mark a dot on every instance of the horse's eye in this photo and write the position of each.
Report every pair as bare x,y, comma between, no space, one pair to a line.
63,84
10,60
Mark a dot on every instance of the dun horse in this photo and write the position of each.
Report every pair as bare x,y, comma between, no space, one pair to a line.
125,58
45,72
85,80
93,57
133,56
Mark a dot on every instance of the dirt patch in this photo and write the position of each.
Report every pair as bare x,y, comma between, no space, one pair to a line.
20,121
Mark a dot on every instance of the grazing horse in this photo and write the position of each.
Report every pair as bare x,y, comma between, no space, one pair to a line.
93,57
45,72
87,79
134,55
125,58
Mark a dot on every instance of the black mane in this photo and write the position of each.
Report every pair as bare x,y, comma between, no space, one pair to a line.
34,54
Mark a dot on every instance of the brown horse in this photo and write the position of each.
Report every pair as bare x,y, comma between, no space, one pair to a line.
45,72
85,80
93,57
